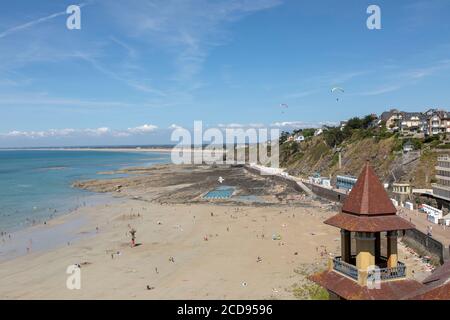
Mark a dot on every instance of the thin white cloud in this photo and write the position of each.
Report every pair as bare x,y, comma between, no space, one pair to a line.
132,82
188,30
33,23
146,128
380,91
404,78
240,125
88,132
302,124
175,126
300,94
46,100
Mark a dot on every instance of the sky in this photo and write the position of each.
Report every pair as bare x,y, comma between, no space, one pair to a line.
138,69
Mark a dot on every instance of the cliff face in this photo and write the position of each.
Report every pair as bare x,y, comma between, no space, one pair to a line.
386,155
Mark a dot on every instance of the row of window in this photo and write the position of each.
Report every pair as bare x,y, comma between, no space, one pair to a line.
441,193
444,164
443,182
443,173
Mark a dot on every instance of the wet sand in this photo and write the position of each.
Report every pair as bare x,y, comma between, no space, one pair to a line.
188,248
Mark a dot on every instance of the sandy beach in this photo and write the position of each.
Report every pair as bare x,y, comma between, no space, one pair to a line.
187,247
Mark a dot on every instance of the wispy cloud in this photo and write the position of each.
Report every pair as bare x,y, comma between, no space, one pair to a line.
186,29
379,91
89,132
33,23
31,100
302,124
403,77
130,81
240,125
146,128
419,73
300,94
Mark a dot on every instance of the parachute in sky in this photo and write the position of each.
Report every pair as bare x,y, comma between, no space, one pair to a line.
337,90
283,106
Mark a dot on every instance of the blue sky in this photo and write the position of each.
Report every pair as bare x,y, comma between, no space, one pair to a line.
137,68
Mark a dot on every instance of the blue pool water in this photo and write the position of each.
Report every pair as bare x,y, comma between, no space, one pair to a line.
36,185
222,192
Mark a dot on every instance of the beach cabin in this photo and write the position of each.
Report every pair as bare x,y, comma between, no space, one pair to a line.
433,214
409,205
345,182
326,182
445,220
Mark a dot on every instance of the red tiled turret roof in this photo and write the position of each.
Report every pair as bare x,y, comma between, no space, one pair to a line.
368,208
368,196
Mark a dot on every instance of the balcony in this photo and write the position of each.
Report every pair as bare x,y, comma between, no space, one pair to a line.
345,268
383,274
388,273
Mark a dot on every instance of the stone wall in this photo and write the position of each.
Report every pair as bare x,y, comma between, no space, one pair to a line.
326,193
281,179
421,243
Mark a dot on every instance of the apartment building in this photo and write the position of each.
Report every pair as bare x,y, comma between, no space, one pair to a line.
441,189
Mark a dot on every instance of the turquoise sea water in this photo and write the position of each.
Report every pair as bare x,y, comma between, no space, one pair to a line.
35,185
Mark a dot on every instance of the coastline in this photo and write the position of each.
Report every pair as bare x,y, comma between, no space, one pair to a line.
53,232
111,149
187,247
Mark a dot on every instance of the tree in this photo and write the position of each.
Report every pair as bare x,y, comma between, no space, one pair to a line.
283,137
355,123
367,121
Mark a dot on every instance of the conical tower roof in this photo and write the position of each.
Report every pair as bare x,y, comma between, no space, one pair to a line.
368,207
368,196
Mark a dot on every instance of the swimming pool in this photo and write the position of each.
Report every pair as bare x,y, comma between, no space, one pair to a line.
222,192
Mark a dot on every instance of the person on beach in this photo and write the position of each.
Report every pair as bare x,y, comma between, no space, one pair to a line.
133,237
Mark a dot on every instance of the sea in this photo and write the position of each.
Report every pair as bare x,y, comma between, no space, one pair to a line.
36,185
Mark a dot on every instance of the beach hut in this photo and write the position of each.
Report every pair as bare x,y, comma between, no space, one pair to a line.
445,220
433,214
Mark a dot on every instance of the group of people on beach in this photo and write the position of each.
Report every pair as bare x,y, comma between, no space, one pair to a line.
5,236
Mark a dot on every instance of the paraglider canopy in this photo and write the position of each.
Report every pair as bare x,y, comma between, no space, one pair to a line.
337,90
284,106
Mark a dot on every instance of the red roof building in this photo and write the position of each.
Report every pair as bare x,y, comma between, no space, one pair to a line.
366,215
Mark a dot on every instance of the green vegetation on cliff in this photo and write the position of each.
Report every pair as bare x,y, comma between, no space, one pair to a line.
361,140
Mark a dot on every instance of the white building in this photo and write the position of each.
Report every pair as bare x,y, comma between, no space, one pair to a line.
446,220
325,182
441,189
433,214
409,205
